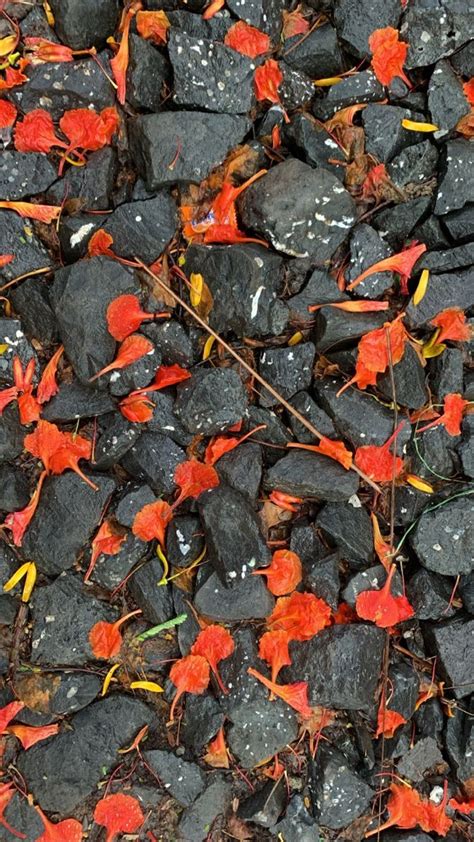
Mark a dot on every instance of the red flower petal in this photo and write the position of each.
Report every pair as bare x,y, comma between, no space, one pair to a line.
152,520
124,316
193,478
8,114
295,695
381,607
302,615
247,39
452,324
189,675
267,79
69,830
214,643
378,462
118,813
388,55
284,573
133,348
30,735
35,133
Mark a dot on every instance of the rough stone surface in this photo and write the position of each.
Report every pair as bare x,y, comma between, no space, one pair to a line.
211,401
339,795
183,780
288,370
452,643
85,24
443,539
306,474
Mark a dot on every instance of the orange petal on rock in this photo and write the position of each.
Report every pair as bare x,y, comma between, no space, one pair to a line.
99,244
214,643
453,325
295,695
30,735
48,386
284,573
267,79
18,522
118,813
402,263
189,675
137,409
273,648
247,40
153,26
152,520
381,607
69,830
42,213
8,114
124,316
193,478
388,55
133,348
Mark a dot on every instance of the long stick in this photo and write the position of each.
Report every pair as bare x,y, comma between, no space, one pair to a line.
247,367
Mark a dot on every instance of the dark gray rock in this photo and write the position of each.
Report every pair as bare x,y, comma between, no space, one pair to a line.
397,223
111,570
211,401
463,60
371,579
446,373
448,260
298,824
17,237
153,459
318,55
184,540
296,89
249,599
433,32
235,545
117,437
304,403
11,335
385,136
429,719
349,527
244,281
132,502
338,794
75,233
201,721
81,294
82,752
143,229
405,685
312,140
320,289
460,740
446,100
72,691
197,819
173,342
456,185
450,290
204,140
155,602
459,224
84,23
341,665
306,474
215,28
356,20
75,400
15,488
362,87
11,434
424,755
67,514
147,72
409,378
55,639
184,781
288,370
223,84
451,642
466,592
24,174
264,806
135,376
241,469
90,186
430,596
263,14
333,327
466,449
434,450
443,540
30,300
367,248
322,578
165,421
414,165
23,818
302,211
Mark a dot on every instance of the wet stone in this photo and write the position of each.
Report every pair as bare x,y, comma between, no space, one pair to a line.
165,421
355,21
367,248
424,755
147,71
182,780
153,459
449,259
466,592
261,728
304,403
91,185
75,400
265,805
80,303
350,529
184,540
55,640
24,174
82,752
224,83
405,687
249,599
155,602
333,327
67,514
11,335
384,133
434,450
341,665
241,469
135,376
362,87
397,223
313,141
31,302
11,434
117,437
288,370
466,448
296,89
446,100
111,570
302,211
433,32
306,474
203,140
132,502
196,820
201,721
460,224
15,488
143,229
373,578
235,545
338,794
414,165
173,341
244,281
460,740
449,290
72,691
84,24
58,87
452,643
409,377
75,233
456,186
215,28
430,596
446,373
297,825
443,540
17,237
211,401
23,818
358,418
318,55
322,578
320,289
429,719
263,14
432,233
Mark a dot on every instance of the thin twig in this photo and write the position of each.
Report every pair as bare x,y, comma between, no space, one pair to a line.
291,409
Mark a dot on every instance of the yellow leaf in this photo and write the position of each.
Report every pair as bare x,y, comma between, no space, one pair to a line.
181,260
208,347
49,13
3,348
195,293
29,583
415,126
420,291
296,338
433,351
7,44
151,686
326,83
166,566
18,574
419,483
108,678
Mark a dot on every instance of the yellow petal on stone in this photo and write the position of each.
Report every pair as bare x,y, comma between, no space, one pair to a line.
29,584
296,338
108,678
195,293
49,13
18,574
208,347
419,483
415,126
326,83
7,44
151,686
166,566
3,348
420,291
